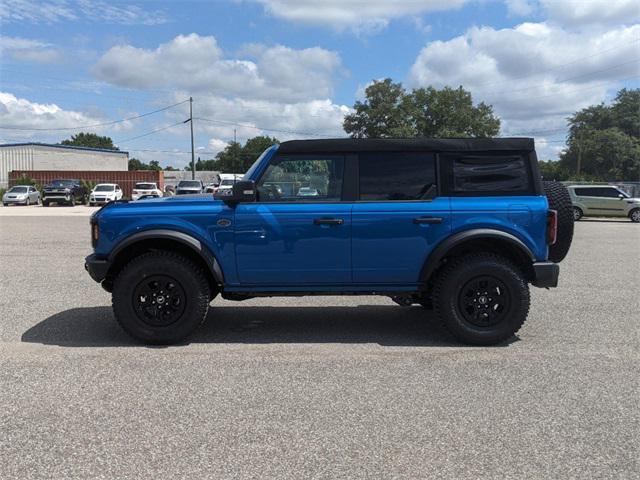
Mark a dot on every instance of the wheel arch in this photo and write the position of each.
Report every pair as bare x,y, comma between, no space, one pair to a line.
161,239
481,239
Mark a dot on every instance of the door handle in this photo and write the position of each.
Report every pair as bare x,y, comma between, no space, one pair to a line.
328,221
427,220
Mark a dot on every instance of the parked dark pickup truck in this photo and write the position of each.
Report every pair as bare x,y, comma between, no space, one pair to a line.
64,191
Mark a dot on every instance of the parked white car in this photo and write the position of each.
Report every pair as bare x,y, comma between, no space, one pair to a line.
226,182
105,192
145,190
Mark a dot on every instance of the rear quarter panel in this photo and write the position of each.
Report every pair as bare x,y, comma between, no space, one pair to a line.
525,217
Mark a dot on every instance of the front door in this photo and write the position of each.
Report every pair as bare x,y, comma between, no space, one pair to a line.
398,219
299,231
608,202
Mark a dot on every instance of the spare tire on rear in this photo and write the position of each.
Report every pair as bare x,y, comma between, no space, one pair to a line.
560,201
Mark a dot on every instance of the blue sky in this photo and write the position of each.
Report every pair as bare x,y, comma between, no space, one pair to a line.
293,69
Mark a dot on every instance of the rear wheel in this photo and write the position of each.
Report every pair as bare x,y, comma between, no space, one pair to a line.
634,215
577,213
160,297
482,299
560,201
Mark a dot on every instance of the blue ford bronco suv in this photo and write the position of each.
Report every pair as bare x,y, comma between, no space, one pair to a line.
460,226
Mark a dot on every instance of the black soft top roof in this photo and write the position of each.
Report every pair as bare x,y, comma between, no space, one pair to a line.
409,144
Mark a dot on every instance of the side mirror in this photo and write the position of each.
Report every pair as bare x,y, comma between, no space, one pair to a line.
243,191
621,196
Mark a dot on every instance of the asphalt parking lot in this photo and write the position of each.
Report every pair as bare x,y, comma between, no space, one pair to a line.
333,387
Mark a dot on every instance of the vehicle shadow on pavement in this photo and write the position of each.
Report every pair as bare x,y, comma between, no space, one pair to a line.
379,324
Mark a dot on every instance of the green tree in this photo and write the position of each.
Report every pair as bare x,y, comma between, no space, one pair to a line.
90,140
389,111
135,164
383,114
604,140
237,158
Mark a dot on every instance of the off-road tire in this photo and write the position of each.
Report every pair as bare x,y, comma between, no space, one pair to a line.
560,201
577,214
449,292
634,215
189,276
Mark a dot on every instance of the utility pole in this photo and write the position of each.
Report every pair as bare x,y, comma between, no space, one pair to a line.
235,158
193,160
579,166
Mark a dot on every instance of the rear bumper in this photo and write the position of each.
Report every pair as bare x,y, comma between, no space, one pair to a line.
545,274
96,267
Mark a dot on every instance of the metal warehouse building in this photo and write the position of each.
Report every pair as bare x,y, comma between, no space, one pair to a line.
42,156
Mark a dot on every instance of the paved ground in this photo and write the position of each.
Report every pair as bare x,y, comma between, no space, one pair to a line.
293,389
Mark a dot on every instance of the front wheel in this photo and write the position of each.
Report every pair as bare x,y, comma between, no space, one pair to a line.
635,215
482,299
160,297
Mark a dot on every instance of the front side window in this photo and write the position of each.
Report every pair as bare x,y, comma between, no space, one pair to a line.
489,174
302,178
389,176
611,193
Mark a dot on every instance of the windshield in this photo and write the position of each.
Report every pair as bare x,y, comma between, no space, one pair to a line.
63,183
18,190
249,174
227,182
145,186
626,195
189,184
105,188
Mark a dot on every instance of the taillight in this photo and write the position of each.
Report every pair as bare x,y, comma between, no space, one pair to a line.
95,234
552,226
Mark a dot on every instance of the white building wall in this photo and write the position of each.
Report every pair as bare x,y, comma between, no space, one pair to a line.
43,157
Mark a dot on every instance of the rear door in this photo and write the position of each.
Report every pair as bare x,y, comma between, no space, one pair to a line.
299,230
398,217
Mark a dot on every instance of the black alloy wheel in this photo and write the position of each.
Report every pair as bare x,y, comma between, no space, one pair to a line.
483,301
159,300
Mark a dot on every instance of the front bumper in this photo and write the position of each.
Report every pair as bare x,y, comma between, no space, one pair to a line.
17,201
96,267
545,274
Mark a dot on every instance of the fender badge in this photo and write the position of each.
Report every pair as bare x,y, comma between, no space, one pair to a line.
224,222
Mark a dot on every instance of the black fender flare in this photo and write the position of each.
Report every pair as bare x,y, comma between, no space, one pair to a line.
193,243
434,259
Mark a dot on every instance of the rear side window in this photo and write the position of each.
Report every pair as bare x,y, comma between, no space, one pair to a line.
488,174
389,176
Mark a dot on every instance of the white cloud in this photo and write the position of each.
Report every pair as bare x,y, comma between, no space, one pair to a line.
22,113
534,74
250,117
363,16
73,10
28,50
520,7
216,145
592,12
196,63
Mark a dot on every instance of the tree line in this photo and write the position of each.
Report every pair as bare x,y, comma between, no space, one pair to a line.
603,142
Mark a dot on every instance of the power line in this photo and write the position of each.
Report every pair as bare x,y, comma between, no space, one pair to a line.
148,133
114,122
291,132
